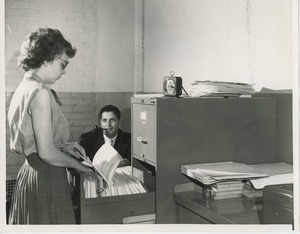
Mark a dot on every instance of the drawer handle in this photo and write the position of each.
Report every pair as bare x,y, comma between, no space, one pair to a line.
142,139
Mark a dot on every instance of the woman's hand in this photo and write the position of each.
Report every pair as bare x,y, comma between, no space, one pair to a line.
77,151
74,149
84,168
124,162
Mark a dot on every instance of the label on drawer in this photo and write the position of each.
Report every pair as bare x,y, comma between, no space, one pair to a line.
143,115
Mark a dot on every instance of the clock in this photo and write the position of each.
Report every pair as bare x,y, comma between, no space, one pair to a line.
172,86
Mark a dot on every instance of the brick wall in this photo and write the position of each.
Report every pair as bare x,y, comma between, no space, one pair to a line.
79,108
76,19
81,111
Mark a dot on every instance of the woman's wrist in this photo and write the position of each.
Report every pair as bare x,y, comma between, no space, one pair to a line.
79,166
62,148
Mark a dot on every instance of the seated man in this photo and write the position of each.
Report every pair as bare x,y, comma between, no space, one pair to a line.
109,131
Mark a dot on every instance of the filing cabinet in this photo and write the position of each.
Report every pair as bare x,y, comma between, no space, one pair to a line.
144,132
169,132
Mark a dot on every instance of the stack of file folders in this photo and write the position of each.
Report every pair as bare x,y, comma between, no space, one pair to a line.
220,88
122,184
231,179
109,179
211,173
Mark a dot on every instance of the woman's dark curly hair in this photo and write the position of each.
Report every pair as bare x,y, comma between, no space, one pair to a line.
42,46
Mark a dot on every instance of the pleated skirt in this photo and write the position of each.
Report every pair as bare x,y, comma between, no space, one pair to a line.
42,194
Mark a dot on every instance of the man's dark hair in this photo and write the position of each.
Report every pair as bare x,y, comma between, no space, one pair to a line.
111,108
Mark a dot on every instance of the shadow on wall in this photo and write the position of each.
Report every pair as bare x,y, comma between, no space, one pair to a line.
13,74
126,119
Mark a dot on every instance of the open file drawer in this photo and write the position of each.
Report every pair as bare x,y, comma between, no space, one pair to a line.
109,210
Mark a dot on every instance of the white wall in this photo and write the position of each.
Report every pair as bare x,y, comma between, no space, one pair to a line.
246,41
230,40
115,62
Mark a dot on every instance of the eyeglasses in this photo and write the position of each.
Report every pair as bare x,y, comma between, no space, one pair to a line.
65,64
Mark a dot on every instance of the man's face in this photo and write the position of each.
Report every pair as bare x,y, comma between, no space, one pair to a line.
110,122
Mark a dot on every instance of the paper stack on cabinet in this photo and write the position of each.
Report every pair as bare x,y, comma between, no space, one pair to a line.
279,173
223,190
220,88
250,192
211,173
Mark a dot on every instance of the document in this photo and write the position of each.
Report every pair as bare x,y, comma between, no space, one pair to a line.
117,181
272,180
274,168
279,173
105,163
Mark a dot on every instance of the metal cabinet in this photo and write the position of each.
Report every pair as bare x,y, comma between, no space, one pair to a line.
278,204
170,132
144,132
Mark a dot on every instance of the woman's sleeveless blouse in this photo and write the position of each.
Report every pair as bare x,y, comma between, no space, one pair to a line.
42,193
19,117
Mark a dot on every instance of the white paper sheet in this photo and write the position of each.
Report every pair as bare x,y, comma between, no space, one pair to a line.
106,160
271,180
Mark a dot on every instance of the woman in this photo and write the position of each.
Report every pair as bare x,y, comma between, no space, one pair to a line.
40,131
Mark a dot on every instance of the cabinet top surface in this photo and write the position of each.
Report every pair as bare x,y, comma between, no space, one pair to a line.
204,100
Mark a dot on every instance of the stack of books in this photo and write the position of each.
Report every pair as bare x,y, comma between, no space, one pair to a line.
251,193
223,190
220,88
